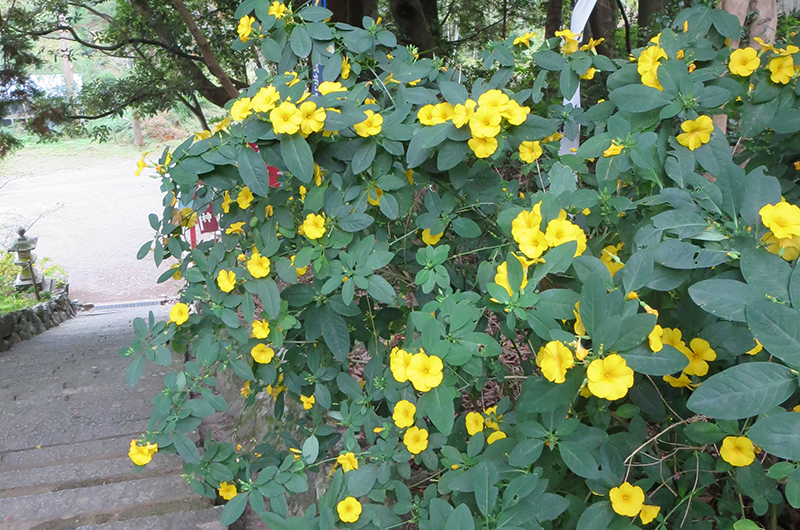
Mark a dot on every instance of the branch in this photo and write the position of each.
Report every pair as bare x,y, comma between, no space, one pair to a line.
627,26
171,49
205,49
107,18
459,41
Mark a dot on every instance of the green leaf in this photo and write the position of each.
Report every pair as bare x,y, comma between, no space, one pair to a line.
453,92
364,156
639,98
335,332
355,222
683,223
526,453
579,460
768,273
466,227
310,450
380,289
634,331
793,490
779,435
186,448
361,480
777,328
557,260
726,299
460,519
300,41
485,489
637,271
677,254
234,509
598,515
704,433
743,391
437,404
297,156
746,524
794,287
199,408
134,371
781,470
540,395
664,362
431,136
253,171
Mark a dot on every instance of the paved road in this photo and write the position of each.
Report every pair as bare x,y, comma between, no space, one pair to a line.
93,221
67,420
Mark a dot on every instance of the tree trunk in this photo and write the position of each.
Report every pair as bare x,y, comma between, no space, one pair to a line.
409,15
553,19
648,8
138,140
765,24
603,25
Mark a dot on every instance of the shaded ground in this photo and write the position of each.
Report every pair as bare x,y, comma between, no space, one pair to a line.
92,216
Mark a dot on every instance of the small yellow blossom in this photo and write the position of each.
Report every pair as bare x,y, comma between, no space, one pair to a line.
227,491
627,500
141,455
308,401
179,313
738,451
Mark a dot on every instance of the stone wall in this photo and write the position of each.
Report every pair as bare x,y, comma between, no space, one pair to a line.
25,323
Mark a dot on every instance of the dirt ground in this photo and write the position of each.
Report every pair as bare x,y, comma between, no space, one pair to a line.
90,212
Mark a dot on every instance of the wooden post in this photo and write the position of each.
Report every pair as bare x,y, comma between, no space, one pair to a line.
66,63
137,132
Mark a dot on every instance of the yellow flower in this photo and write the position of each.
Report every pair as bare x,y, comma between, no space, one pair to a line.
570,44
525,39
783,219
782,69
313,118
300,270
327,87
427,116
494,100
222,125
501,277
738,451
650,59
245,391
443,112
648,513
226,280
578,327
277,9
286,118
345,68
431,239
378,430
744,61
609,378
415,440
141,455
317,175
592,45
371,126
698,355
235,228
474,423
308,402
485,123
244,198
227,491
403,414
559,231
349,510
527,220
757,348
655,338
262,354
399,361
260,329
265,99
374,195
226,202
179,313
425,371
682,381
696,132
554,359
672,337
347,461
607,257
613,149
140,165
483,147
530,151
627,500
313,226
496,435
556,136
410,176
245,27
463,113
203,135
790,246
240,109
589,73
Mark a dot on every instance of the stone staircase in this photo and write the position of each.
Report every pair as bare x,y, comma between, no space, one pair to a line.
66,421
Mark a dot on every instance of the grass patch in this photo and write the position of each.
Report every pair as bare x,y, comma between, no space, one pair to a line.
12,300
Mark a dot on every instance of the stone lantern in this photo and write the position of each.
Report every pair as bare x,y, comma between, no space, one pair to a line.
28,275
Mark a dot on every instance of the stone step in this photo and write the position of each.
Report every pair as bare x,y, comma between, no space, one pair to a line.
73,508
26,481
200,520
50,455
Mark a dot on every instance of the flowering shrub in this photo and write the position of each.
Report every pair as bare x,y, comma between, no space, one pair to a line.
477,330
